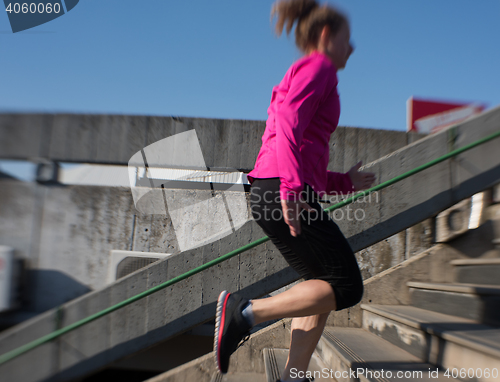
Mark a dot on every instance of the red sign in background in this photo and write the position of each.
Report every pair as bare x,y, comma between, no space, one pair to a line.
420,108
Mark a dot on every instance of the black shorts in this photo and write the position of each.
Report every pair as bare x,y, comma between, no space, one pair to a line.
320,252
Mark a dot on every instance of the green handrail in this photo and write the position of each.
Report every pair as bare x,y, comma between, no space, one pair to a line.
30,346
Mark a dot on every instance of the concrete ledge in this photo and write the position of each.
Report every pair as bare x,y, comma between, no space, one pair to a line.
474,289
114,139
466,262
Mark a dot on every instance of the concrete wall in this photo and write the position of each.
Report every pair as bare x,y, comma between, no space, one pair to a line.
115,138
64,234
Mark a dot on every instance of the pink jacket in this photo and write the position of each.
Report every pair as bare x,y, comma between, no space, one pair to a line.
304,112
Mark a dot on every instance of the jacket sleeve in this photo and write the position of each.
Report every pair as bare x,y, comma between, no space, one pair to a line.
309,85
339,183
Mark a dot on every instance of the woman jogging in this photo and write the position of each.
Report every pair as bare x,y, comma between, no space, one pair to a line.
289,178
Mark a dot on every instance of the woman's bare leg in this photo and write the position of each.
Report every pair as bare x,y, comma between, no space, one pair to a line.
306,332
309,302
305,299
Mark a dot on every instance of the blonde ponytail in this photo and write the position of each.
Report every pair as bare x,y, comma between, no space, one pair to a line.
310,18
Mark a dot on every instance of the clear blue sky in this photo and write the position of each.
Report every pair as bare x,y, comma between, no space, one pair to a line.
220,58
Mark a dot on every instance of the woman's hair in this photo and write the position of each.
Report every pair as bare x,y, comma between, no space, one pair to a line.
310,18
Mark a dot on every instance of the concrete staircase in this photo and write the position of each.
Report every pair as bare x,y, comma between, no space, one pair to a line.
443,331
450,326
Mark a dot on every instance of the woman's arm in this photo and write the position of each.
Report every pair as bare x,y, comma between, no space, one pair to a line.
353,180
339,183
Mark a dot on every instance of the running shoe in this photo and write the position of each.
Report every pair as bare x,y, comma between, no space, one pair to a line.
230,328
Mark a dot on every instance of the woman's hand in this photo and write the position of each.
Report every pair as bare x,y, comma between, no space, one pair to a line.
291,211
361,180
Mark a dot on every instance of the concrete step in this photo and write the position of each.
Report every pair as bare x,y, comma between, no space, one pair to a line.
440,339
477,271
275,361
355,355
239,377
496,243
474,301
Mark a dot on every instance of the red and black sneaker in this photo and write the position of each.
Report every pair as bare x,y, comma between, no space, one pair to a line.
230,328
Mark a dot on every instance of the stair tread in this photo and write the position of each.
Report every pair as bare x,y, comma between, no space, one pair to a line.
241,377
491,261
361,349
279,357
459,330
457,287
